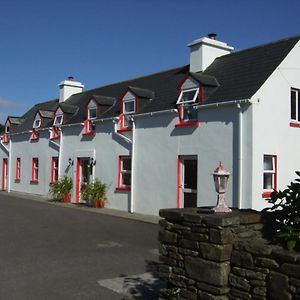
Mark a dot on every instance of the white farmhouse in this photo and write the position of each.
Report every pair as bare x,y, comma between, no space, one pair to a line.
155,140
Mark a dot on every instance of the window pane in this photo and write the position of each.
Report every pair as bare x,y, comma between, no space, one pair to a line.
129,106
268,163
189,113
58,120
188,95
126,179
293,105
92,113
126,166
268,181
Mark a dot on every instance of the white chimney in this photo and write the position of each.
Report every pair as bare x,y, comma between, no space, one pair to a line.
69,87
205,50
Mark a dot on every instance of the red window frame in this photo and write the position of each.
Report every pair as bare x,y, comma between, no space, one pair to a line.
185,123
122,126
295,120
121,171
18,169
5,138
54,133
34,135
89,128
35,171
54,169
267,192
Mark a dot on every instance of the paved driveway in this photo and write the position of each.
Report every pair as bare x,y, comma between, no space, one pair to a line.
53,252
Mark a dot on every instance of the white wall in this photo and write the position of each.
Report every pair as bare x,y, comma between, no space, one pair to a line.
158,144
26,150
271,131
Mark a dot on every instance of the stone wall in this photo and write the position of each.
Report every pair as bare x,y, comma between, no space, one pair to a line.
223,256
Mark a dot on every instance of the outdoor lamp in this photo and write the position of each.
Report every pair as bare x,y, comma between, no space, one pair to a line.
71,162
221,177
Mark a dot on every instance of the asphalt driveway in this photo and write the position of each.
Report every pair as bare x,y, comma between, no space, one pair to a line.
53,252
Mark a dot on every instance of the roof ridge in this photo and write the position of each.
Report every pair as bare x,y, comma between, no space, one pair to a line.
260,46
134,78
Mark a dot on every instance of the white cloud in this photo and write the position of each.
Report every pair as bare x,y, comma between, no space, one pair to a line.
9,104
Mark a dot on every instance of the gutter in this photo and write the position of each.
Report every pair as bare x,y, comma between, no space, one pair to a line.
240,157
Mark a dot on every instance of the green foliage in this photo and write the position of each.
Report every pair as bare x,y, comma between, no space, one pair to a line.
61,188
94,191
285,214
1,128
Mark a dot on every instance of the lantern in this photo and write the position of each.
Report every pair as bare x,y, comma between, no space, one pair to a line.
221,177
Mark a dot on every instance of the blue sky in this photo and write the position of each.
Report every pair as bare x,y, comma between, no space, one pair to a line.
100,42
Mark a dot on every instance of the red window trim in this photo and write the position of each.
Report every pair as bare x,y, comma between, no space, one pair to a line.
123,128
34,135
121,187
183,123
267,193
54,161
18,169
5,138
87,131
34,171
294,124
54,133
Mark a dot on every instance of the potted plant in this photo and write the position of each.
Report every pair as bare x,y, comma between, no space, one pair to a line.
98,193
61,189
85,191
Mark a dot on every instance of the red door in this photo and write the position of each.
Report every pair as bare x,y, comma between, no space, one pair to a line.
83,175
4,174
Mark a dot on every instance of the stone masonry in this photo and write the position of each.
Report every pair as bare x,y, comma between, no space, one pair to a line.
223,256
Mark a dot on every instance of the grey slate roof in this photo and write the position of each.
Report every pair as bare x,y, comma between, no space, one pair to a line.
230,77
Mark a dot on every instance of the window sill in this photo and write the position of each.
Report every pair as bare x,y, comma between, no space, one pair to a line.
17,180
267,194
35,140
188,124
92,133
34,182
294,124
124,130
123,189
55,138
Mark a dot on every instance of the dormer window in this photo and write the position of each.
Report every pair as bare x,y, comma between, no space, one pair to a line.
37,123
92,110
7,129
58,120
188,96
129,105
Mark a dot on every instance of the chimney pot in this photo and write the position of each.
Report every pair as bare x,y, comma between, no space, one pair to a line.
212,36
71,78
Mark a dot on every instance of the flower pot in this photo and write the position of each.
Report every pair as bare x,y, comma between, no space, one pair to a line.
99,203
67,198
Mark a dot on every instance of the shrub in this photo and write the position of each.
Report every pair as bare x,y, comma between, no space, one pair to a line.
285,214
61,188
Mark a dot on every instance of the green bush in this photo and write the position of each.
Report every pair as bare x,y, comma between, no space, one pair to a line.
94,191
61,188
285,215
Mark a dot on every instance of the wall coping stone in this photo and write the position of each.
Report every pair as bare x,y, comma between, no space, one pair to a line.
197,215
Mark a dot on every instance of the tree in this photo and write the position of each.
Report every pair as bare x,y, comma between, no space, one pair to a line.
1,128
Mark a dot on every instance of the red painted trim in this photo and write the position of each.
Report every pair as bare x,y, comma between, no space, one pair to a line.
266,194
178,181
294,124
5,138
4,174
123,189
54,134
34,135
201,93
188,124
18,169
123,128
77,191
92,133
54,163
34,170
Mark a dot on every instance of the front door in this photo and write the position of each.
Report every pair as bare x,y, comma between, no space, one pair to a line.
4,174
187,181
83,175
